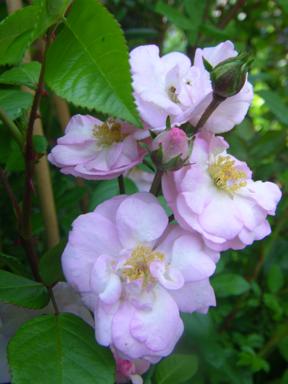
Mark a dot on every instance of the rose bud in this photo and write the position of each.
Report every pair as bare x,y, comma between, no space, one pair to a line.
229,76
170,149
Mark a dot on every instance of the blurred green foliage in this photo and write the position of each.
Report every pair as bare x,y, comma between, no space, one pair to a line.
245,338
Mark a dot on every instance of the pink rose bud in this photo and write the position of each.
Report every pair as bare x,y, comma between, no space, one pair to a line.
171,149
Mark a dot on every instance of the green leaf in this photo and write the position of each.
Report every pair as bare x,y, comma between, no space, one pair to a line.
50,264
104,190
60,350
21,28
56,8
15,159
283,347
176,369
229,284
276,105
88,62
256,363
195,10
21,291
40,144
275,278
13,263
173,15
25,74
16,33
15,102
284,5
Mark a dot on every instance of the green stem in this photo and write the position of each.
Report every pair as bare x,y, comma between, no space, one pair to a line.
216,100
121,185
156,183
12,128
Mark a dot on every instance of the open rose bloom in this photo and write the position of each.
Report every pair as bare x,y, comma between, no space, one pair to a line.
136,272
171,86
232,110
217,197
96,150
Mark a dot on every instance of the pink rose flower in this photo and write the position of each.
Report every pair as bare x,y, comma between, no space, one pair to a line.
94,150
217,197
161,86
130,370
231,111
132,269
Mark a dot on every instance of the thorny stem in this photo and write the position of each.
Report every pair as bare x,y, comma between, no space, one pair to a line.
29,160
29,155
216,100
156,183
12,128
121,185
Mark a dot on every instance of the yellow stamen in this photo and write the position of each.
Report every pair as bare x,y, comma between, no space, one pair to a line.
173,95
226,176
108,133
137,266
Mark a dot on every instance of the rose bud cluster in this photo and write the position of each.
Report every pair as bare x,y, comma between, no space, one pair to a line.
135,271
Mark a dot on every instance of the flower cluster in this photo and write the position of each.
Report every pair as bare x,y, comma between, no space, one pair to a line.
135,270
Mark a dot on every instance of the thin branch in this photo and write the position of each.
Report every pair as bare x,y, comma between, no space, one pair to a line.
215,102
53,300
156,184
30,154
12,128
121,185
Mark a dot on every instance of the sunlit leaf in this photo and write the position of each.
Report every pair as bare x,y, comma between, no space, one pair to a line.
88,62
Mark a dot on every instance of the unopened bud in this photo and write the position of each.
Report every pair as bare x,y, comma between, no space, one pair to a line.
170,149
229,76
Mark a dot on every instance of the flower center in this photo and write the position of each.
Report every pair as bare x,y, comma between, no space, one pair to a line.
108,133
226,176
173,95
137,266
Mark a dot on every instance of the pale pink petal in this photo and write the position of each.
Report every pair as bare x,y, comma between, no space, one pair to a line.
79,130
154,328
188,255
218,214
65,155
104,315
197,296
168,277
266,194
122,338
140,219
215,55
